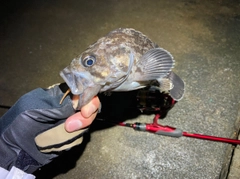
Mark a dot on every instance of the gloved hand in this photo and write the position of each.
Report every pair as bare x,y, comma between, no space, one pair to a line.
32,132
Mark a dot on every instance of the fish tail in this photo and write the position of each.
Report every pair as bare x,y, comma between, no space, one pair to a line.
178,86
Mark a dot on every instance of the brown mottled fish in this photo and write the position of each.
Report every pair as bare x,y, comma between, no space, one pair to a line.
123,60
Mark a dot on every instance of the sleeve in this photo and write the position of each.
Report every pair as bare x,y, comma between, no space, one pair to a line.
36,112
15,173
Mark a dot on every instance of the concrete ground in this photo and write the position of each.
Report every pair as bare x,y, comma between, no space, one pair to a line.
40,38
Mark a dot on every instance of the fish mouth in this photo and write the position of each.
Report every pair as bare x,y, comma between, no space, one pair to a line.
76,81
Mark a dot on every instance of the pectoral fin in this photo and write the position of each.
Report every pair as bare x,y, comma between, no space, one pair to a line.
155,63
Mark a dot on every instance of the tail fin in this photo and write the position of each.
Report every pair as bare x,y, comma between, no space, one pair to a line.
178,89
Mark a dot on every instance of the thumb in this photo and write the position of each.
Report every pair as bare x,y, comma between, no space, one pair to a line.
83,118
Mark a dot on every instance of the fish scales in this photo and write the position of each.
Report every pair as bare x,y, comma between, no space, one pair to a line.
123,60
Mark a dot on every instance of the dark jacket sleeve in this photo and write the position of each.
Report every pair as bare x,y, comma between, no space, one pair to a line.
35,112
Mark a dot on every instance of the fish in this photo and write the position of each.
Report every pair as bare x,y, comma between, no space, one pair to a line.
123,60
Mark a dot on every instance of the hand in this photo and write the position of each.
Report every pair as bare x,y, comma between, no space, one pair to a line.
83,118
37,128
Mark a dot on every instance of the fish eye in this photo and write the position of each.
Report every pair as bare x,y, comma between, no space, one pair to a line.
89,61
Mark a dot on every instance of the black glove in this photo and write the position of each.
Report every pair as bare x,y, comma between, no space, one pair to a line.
32,132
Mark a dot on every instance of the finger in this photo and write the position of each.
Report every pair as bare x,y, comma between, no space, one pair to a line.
91,107
74,122
79,119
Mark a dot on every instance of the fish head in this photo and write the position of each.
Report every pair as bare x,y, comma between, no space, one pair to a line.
101,67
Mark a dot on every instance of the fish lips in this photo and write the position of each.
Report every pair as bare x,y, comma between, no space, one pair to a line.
76,81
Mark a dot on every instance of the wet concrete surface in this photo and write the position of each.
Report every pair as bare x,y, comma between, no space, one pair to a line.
40,38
